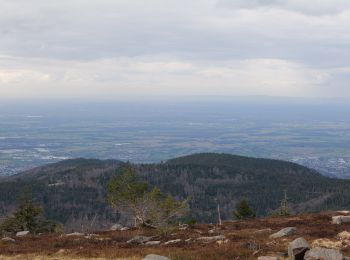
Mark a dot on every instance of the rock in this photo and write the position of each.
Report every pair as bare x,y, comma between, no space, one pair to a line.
188,240
284,232
267,258
345,212
175,241
319,253
61,251
152,243
211,239
139,240
327,243
212,231
263,231
338,220
22,233
155,257
124,229
8,239
116,227
297,248
75,234
344,235
221,242
183,227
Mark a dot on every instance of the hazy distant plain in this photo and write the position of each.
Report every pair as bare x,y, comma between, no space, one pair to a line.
315,133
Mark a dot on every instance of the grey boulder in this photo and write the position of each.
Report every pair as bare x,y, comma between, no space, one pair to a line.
319,253
297,248
284,232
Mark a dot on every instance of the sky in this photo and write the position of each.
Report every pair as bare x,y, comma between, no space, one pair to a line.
125,48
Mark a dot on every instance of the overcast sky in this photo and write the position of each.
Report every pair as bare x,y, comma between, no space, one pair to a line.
120,48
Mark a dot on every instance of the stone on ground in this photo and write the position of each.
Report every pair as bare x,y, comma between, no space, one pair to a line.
338,220
297,248
284,232
155,257
8,239
116,227
319,253
22,233
175,241
139,240
152,243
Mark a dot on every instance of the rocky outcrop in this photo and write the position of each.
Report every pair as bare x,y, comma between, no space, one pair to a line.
323,254
297,248
284,232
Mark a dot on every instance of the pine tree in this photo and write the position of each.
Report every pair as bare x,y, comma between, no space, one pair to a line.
243,211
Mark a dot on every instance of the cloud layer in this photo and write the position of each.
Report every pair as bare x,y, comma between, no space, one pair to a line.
105,48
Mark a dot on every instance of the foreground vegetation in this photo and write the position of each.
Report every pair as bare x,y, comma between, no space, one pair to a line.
246,239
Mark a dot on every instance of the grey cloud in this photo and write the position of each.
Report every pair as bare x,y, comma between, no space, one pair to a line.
319,7
202,32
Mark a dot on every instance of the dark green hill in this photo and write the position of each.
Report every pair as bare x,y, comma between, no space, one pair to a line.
74,191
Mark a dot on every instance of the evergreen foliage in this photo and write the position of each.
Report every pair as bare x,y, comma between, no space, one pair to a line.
74,192
243,211
28,217
148,208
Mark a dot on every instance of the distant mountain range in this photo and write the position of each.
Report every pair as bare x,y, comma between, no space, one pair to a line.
73,192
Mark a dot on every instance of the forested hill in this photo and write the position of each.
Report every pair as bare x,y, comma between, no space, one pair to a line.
74,191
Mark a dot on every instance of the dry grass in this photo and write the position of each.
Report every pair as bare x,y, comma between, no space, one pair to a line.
242,241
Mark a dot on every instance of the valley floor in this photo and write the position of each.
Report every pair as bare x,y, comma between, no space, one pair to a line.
233,240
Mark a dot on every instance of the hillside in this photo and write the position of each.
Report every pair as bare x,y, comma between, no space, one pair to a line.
74,191
247,239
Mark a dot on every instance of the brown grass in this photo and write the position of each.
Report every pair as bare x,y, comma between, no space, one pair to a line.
242,242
